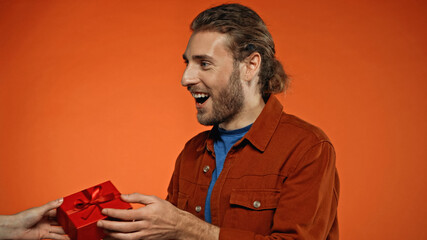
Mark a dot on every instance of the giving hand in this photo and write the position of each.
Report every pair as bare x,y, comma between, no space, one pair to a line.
34,223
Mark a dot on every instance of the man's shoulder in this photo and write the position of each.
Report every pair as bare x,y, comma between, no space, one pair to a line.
296,126
198,140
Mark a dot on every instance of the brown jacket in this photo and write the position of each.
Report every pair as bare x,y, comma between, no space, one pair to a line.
278,182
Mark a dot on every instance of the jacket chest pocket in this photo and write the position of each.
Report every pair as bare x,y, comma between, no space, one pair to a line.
252,209
182,201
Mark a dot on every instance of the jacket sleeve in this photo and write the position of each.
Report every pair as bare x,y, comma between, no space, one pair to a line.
308,200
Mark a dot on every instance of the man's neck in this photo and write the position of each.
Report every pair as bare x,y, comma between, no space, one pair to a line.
249,113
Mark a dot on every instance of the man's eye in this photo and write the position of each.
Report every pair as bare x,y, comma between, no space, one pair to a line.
204,64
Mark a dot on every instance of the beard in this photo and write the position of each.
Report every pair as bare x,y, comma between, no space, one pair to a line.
226,104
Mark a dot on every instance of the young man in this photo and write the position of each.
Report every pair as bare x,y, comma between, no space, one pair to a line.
259,173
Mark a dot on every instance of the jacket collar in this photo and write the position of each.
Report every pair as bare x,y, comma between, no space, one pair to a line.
265,125
261,131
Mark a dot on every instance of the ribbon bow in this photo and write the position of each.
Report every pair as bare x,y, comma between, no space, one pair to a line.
92,201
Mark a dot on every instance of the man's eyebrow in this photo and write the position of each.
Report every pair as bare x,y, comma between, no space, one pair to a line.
203,57
198,57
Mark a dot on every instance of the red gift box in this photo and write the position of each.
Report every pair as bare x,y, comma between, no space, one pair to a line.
80,211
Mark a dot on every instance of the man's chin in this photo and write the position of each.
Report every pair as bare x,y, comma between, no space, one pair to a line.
205,120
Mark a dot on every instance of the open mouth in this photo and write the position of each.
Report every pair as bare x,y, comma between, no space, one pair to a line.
200,97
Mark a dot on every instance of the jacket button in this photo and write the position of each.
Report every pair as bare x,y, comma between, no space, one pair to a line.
206,169
257,204
198,208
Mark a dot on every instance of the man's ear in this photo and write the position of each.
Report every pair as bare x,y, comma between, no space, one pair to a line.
252,66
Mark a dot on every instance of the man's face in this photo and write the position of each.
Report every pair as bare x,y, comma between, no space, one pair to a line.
212,78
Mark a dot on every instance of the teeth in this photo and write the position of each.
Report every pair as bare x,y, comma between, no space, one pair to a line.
200,95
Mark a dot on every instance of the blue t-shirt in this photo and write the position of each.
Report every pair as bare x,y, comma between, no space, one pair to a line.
222,144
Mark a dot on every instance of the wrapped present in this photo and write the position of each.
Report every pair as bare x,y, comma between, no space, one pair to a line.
80,211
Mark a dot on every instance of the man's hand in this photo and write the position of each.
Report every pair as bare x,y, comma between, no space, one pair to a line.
34,223
159,219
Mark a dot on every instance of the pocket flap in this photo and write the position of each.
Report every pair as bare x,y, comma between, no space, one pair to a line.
182,201
255,199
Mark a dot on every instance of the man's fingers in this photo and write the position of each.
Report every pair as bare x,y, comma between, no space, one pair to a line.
124,227
126,236
123,214
139,198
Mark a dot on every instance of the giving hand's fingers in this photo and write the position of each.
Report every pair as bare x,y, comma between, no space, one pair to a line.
51,214
56,236
47,208
56,229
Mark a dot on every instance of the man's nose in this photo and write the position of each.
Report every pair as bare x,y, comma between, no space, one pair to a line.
189,77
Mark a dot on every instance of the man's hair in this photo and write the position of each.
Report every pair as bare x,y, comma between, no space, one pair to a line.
247,33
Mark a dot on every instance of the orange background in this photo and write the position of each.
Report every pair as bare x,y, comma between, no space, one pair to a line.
90,91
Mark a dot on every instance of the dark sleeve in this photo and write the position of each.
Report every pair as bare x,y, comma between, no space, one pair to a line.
308,200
